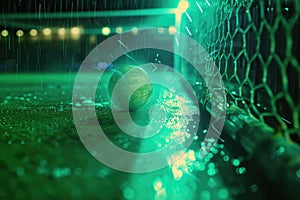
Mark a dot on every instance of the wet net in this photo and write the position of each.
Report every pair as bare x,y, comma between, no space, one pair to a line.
255,46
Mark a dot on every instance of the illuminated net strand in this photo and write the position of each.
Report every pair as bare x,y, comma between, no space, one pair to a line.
254,44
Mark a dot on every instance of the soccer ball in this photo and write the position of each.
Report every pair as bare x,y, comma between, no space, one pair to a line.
130,88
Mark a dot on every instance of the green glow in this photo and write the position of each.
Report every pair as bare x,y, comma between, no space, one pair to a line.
205,195
211,171
214,150
207,159
298,173
226,158
236,162
222,153
61,172
223,193
201,166
210,155
105,30
92,14
241,170
253,188
211,165
281,150
20,171
211,183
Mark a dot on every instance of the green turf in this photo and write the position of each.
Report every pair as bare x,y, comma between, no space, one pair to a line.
42,156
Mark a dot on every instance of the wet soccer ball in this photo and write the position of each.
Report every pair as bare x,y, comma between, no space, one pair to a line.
130,88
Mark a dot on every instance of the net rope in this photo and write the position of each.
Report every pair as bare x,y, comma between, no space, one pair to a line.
255,46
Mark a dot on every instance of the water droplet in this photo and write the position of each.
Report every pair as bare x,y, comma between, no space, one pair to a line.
20,171
102,173
226,158
61,172
201,166
223,193
280,150
211,165
128,193
211,171
235,162
77,171
222,153
43,162
205,195
211,182
253,188
241,170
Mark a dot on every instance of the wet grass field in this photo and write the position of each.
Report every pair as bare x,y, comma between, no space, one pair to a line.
42,156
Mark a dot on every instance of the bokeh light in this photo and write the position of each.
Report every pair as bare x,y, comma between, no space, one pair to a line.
160,30
183,6
119,30
61,31
105,30
4,33
75,31
19,33
135,30
33,32
93,39
172,30
47,31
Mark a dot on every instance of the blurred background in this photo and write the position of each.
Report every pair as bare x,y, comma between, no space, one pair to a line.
56,36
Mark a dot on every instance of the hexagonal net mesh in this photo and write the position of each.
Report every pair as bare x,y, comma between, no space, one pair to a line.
255,46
